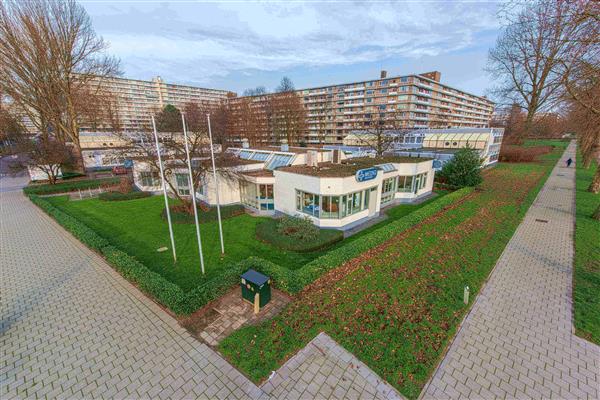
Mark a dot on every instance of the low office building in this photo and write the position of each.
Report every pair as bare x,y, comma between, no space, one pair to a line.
334,192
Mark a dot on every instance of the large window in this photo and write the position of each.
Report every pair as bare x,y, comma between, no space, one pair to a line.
149,178
420,181
332,207
405,183
259,196
388,188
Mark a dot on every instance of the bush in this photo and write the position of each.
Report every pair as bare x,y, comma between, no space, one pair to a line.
298,228
464,169
118,196
71,186
510,153
269,231
70,175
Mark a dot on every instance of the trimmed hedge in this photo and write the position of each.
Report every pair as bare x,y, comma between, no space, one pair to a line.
118,196
292,281
69,186
267,232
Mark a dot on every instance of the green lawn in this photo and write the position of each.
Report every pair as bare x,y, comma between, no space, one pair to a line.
397,308
586,283
136,227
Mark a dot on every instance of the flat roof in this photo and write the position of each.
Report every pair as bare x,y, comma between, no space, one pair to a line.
277,149
259,173
349,167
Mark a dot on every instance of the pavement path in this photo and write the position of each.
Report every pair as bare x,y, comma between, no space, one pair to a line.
518,340
71,327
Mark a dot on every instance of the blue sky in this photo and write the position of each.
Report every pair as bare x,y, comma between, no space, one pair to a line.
236,45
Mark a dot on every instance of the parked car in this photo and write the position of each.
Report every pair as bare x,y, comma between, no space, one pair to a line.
119,170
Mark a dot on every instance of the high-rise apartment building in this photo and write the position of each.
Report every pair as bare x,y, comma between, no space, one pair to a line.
411,101
137,100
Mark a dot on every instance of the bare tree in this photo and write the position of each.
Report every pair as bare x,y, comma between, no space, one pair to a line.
247,118
257,91
49,53
286,114
46,154
12,132
379,133
527,54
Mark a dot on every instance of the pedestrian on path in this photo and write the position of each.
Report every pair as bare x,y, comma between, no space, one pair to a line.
569,162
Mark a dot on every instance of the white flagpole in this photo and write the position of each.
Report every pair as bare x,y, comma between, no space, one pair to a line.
212,156
193,192
164,185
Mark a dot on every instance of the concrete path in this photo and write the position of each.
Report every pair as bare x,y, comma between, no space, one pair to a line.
71,327
518,340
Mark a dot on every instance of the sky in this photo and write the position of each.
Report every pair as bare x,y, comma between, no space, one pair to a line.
235,45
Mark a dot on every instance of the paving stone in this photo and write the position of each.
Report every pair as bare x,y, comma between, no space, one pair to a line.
521,322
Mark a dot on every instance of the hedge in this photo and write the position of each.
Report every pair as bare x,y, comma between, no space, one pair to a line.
292,281
118,196
69,186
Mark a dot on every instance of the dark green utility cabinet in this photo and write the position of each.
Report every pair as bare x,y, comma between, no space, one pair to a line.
254,282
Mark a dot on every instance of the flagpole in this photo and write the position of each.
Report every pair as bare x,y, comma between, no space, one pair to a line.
162,179
193,192
212,156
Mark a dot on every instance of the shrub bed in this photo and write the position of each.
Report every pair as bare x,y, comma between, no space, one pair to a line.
511,153
173,297
118,196
179,214
268,231
70,186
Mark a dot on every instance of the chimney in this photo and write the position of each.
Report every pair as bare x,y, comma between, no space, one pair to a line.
284,145
245,143
383,74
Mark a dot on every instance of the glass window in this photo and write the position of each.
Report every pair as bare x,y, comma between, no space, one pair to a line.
149,178
183,184
405,183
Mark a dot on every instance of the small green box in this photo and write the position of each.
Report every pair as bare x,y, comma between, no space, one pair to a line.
254,282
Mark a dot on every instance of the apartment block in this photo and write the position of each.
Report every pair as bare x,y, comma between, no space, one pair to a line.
137,100
411,102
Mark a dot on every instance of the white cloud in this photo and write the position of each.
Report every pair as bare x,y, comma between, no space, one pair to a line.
210,40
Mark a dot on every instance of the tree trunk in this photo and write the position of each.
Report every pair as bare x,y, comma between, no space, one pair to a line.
595,184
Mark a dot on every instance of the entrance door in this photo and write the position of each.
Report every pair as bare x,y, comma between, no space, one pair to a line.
372,200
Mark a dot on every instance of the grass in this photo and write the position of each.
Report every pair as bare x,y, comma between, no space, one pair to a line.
586,282
397,307
137,228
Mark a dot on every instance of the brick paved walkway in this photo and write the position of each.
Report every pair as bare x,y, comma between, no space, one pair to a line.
518,340
72,328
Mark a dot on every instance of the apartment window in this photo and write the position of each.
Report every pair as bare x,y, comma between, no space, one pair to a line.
149,178
383,91
370,91
403,88
404,79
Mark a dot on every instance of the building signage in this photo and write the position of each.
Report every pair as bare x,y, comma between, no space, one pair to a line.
366,174
128,163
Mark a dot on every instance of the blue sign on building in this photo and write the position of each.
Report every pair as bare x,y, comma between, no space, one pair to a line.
366,174
128,163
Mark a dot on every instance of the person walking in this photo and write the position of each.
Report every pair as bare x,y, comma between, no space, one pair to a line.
569,162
